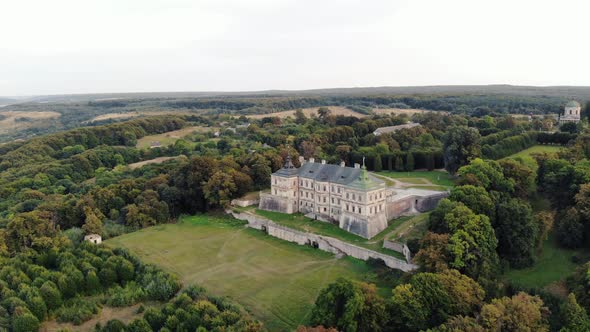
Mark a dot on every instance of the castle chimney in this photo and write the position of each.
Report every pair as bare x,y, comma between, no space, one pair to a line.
323,161
357,165
311,160
301,160
342,164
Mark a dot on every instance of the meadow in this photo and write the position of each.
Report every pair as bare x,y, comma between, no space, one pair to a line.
276,280
312,111
432,180
536,149
169,138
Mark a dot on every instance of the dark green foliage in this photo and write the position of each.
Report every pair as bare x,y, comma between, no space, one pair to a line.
461,145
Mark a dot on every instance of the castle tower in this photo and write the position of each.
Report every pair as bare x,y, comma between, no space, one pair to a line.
571,112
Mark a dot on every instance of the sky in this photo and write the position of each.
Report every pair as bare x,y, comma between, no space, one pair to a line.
104,46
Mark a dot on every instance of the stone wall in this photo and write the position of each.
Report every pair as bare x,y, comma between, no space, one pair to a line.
277,203
412,204
399,247
324,243
244,202
430,202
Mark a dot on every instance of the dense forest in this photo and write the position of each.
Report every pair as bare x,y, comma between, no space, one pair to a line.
58,187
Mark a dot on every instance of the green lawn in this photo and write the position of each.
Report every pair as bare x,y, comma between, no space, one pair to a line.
553,265
300,222
439,178
536,149
170,137
276,280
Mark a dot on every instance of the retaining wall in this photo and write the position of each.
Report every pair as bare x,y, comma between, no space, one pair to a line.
399,247
321,242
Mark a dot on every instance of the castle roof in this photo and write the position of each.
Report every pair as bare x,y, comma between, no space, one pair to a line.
288,169
350,176
573,103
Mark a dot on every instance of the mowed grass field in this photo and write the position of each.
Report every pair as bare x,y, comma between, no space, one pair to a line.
335,110
276,280
170,137
425,178
536,149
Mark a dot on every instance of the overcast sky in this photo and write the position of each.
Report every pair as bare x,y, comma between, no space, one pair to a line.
91,46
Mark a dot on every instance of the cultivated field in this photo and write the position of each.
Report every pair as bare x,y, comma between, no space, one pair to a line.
17,120
170,137
408,111
336,110
278,281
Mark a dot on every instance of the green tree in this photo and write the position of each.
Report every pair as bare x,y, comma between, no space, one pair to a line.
377,165
25,321
399,164
410,162
574,318
460,145
475,198
517,232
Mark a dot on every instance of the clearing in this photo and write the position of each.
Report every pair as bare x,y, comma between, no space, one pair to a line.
18,120
124,314
169,138
552,266
398,111
131,114
158,160
336,110
276,280
536,149
428,180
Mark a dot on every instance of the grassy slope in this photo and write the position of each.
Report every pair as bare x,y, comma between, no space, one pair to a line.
536,149
276,280
435,177
170,137
553,265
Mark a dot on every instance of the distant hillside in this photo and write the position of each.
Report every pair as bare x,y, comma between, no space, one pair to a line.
568,92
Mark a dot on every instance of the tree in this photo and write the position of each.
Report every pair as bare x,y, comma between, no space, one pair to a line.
517,232
521,312
410,162
569,230
377,166
574,318
24,322
487,174
433,255
349,306
569,127
460,145
220,188
475,198
324,112
92,224
300,117
399,164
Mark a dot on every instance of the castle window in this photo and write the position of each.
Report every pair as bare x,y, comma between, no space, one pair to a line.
324,199
332,188
339,190
338,200
347,195
325,209
360,210
346,207
353,208
324,188
353,197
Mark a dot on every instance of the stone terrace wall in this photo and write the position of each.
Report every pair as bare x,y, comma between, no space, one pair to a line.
399,247
430,202
324,243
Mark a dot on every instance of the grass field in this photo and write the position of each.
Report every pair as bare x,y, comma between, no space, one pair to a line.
300,222
438,178
11,121
170,137
553,265
336,110
408,111
276,280
536,149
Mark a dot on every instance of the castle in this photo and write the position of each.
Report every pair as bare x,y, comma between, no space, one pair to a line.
359,202
571,113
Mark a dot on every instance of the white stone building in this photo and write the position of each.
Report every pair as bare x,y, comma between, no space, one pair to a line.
571,113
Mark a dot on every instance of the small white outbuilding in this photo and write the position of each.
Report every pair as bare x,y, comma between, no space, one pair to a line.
93,238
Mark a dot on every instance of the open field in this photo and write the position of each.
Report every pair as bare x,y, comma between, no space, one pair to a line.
151,161
536,149
124,314
18,120
336,110
554,265
170,137
397,111
132,114
421,179
278,281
